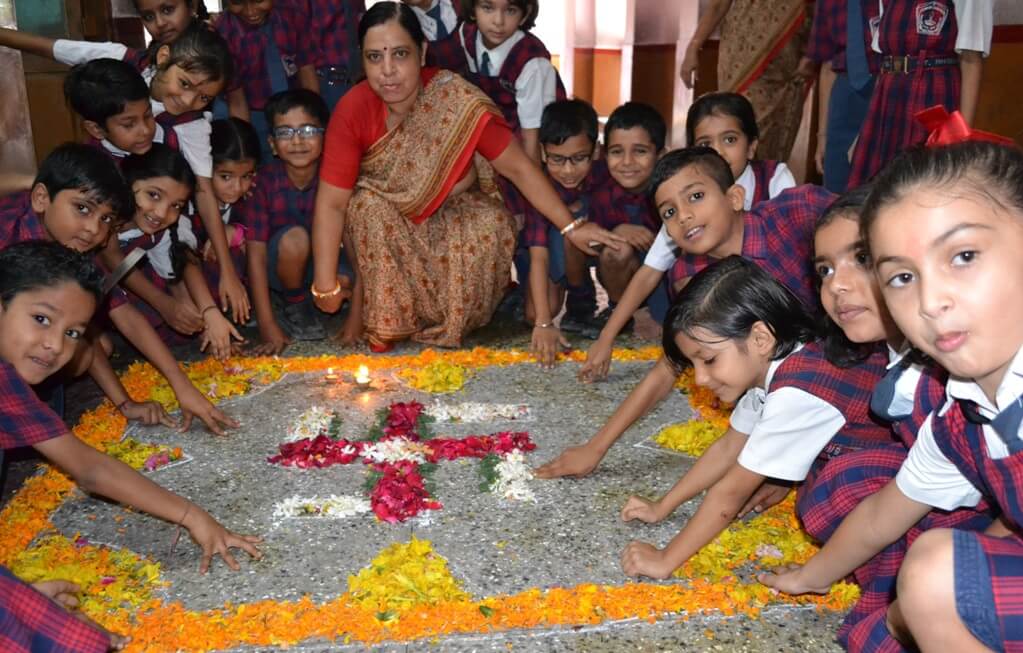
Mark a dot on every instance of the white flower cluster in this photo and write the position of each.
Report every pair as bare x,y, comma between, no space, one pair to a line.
479,412
332,507
395,450
513,478
310,424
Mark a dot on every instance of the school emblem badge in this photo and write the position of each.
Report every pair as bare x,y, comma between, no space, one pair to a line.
931,17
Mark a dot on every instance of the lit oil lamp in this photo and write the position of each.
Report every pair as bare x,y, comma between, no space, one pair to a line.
331,376
362,380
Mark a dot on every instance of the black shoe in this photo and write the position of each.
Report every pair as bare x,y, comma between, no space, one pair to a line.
595,324
302,321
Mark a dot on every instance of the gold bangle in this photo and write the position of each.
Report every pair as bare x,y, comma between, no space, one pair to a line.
336,290
544,325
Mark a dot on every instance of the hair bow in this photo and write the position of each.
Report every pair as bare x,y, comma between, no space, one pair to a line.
945,128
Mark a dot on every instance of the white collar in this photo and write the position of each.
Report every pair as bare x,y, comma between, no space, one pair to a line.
895,357
748,181
498,54
775,364
1009,389
119,153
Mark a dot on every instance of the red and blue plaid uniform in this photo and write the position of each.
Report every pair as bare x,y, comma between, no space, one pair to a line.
611,206
336,24
828,34
849,479
138,57
146,241
18,222
25,419
288,24
275,203
537,228
32,623
1000,480
763,173
889,126
777,235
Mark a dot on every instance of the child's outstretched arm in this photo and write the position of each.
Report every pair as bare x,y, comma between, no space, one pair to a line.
716,512
710,468
217,329
232,291
546,339
582,459
879,520
140,333
273,337
98,473
102,372
25,42
598,358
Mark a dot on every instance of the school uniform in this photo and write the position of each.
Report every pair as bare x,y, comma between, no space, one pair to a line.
211,269
267,58
761,180
967,451
275,207
539,232
18,221
919,41
168,137
439,21
909,392
71,53
835,24
157,266
335,25
778,236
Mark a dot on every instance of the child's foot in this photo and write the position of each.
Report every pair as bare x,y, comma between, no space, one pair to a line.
302,321
646,327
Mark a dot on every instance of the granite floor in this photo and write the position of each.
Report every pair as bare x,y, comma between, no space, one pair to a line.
571,535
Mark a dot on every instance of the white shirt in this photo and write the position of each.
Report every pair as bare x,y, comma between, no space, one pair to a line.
72,53
159,255
664,252
905,386
787,428
158,137
928,476
975,21
537,85
448,16
193,136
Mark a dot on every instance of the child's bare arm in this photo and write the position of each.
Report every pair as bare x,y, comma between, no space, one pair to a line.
716,512
971,66
273,337
98,473
217,330
879,520
825,82
102,372
138,331
25,42
307,78
581,460
238,105
232,291
545,339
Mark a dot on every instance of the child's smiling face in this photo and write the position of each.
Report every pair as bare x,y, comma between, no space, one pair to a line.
570,163
725,366
40,329
133,129
181,91
159,202
233,179
949,266
298,151
724,134
252,12
74,218
697,214
631,157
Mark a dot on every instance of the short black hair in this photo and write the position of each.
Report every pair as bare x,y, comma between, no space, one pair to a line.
99,89
234,139
201,51
34,264
73,166
727,298
530,9
385,12
722,104
564,119
706,159
300,98
197,6
837,348
637,114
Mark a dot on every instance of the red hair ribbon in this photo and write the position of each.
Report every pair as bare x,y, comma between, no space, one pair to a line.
946,128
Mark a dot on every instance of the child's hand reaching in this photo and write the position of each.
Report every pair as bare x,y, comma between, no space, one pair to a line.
574,461
183,317
274,341
193,405
642,509
642,559
545,345
65,594
767,495
149,413
218,333
214,539
789,580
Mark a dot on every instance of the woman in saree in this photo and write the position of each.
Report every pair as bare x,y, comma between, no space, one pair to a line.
761,44
407,184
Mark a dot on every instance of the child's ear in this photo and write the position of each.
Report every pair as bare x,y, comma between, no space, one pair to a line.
40,198
93,129
736,197
163,54
762,340
273,146
751,151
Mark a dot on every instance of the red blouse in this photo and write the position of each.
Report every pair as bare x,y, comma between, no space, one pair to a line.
360,120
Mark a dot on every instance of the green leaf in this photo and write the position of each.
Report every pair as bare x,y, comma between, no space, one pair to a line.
334,428
487,612
488,471
386,615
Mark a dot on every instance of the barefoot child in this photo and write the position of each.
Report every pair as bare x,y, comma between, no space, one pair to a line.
944,229
724,122
169,288
701,206
748,336
48,294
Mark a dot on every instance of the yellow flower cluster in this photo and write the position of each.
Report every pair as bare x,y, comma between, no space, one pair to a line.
438,377
403,576
135,454
691,438
110,579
